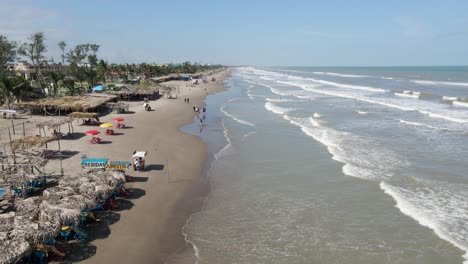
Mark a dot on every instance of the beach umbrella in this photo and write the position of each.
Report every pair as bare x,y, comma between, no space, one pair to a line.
92,132
119,119
106,125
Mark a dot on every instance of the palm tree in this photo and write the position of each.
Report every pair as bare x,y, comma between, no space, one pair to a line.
103,70
54,77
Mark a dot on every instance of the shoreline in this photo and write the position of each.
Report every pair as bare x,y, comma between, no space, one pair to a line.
180,194
147,226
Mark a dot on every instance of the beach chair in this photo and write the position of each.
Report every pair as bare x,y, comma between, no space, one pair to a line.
109,132
128,178
119,125
39,255
95,140
65,232
112,204
99,207
79,233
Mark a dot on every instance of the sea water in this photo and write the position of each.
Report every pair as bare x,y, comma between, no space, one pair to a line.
331,165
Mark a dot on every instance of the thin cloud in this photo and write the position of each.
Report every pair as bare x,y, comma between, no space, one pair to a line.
410,26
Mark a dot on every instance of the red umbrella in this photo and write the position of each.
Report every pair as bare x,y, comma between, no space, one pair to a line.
119,119
92,132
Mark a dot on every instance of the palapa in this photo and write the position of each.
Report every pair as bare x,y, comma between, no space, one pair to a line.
31,141
52,124
13,250
69,103
82,115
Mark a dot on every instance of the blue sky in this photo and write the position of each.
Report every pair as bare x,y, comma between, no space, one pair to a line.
264,33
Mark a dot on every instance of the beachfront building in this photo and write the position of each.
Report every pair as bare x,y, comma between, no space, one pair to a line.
29,71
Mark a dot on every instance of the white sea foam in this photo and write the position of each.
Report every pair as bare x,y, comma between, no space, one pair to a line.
449,98
317,115
404,108
342,75
440,83
408,94
387,78
228,147
314,122
276,109
248,134
341,85
417,124
440,210
462,104
357,161
278,100
238,120
361,112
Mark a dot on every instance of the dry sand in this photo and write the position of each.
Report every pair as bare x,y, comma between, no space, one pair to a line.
171,188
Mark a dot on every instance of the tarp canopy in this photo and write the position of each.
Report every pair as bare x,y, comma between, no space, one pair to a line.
98,88
139,154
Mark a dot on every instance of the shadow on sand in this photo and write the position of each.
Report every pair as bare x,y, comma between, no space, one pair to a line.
154,167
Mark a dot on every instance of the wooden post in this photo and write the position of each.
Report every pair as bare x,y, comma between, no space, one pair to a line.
9,135
60,151
24,130
13,125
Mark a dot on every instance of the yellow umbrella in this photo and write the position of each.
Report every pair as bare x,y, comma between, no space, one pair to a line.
106,125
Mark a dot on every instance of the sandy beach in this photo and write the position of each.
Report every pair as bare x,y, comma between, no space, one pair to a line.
165,194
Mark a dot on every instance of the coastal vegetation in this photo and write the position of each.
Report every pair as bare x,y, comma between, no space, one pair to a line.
79,69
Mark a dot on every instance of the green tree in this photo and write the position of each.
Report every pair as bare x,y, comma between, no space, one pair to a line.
69,84
83,63
34,49
62,46
14,88
55,78
102,69
7,54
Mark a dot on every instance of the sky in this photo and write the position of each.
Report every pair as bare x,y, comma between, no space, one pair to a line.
250,32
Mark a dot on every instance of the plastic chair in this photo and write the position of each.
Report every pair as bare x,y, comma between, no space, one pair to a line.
99,207
40,255
79,233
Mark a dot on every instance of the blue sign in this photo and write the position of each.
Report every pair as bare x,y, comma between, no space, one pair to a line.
94,163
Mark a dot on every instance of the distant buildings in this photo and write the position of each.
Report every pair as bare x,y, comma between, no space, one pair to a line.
29,72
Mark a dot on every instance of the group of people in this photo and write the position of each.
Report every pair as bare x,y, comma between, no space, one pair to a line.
198,112
90,121
187,100
139,164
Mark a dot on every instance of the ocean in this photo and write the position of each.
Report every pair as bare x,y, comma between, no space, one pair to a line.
335,165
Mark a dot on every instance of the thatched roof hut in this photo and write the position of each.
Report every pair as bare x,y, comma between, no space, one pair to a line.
31,141
81,103
82,115
54,123
118,107
13,250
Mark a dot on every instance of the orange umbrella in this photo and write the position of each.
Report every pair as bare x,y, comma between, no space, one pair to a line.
119,119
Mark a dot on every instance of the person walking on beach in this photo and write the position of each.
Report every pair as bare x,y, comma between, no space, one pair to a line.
194,107
188,100
204,109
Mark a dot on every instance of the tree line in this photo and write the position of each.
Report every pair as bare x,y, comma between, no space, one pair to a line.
81,65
